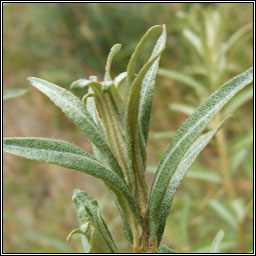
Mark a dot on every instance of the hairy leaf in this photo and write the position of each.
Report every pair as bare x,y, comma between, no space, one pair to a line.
178,175
67,155
139,107
73,108
184,138
114,50
93,226
131,68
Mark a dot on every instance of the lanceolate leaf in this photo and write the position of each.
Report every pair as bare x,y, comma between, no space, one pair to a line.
120,200
184,138
136,107
114,50
89,212
67,155
131,69
148,86
73,108
215,247
177,177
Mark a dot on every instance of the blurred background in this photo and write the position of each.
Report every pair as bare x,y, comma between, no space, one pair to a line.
207,44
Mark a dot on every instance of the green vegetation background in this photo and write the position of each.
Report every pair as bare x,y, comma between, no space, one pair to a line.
61,42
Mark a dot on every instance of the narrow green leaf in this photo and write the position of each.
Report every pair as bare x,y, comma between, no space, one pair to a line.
146,94
131,68
185,79
123,213
13,93
178,176
67,155
73,108
139,102
114,50
120,200
164,249
184,138
89,213
215,247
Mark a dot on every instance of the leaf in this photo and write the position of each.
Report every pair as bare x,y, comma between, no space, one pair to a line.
178,176
120,201
184,138
67,155
139,108
185,79
123,213
114,50
73,108
215,247
147,87
131,68
224,212
93,226
164,249
141,91
13,93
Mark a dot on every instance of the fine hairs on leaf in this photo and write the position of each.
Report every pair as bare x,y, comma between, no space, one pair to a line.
118,127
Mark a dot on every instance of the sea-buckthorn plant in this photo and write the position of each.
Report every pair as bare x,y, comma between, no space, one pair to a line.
118,130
